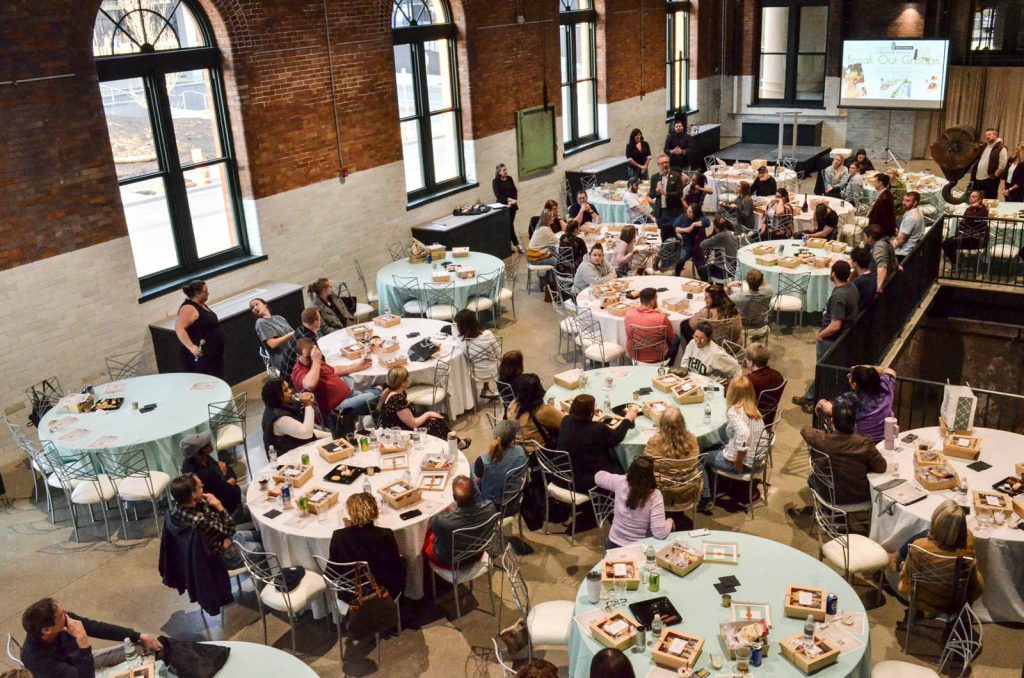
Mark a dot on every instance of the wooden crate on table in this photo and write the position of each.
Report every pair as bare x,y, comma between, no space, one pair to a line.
790,262
617,631
319,500
962,446
354,351
441,276
621,569
675,304
437,252
569,379
816,243
940,476
398,461
675,649
822,653
814,605
990,501
666,383
836,246
619,309
296,474
400,494
655,409
688,392
361,332
337,450
460,252
766,260
678,559
764,248
465,272
394,360
387,320
694,286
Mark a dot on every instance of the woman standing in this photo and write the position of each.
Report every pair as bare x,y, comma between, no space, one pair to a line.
334,315
506,193
638,152
697,189
639,506
198,330
743,207
1015,177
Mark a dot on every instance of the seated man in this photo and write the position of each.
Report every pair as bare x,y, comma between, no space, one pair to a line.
763,378
721,238
273,330
584,214
218,478
463,512
754,301
309,329
764,185
704,356
853,457
593,270
648,315
637,206
57,642
826,223
207,514
332,386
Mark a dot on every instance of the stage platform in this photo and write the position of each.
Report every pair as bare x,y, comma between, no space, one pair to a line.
808,158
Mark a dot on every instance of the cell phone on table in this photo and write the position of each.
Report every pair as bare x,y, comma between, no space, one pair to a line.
409,515
148,408
909,438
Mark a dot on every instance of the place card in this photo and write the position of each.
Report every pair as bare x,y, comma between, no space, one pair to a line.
115,388
104,442
63,422
74,434
204,385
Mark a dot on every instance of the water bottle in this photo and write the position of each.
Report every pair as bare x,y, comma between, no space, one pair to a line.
606,404
130,655
656,627
367,488
651,556
809,631
453,447
272,455
707,412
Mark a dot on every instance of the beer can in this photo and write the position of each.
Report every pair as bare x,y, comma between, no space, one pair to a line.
305,459
755,654
832,604
654,582
286,495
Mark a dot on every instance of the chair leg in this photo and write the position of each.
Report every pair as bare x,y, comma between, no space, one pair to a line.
490,589
291,622
106,521
74,519
380,659
458,608
156,515
547,511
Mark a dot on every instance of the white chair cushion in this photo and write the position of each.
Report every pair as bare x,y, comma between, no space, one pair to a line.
87,492
424,395
559,493
480,304
412,307
897,669
612,352
467,573
441,312
311,586
230,436
787,303
371,296
53,481
542,268
567,326
505,294
135,488
1003,251
549,622
865,554
363,310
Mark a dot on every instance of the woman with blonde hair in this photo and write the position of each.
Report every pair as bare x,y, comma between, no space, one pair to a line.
360,539
673,440
741,433
1015,177
397,412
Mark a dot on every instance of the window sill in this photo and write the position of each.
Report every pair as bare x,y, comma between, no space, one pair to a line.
175,285
419,202
671,116
810,106
585,146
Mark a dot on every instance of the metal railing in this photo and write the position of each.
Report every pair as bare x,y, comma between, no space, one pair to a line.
986,250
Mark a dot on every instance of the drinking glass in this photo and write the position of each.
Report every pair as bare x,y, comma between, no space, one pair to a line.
895,469
620,591
608,381
422,430
999,517
743,659
984,522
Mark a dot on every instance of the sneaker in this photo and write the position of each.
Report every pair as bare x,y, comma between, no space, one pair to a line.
705,506
807,406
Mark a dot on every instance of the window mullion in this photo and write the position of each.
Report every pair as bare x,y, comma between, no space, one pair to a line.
423,111
174,181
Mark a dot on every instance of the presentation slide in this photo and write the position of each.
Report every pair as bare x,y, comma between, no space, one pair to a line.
904,74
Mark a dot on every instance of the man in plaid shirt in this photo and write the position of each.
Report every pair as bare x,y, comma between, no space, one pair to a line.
206,512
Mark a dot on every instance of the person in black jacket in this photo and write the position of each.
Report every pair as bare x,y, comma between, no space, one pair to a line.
862,160
57,642
590,443
506,193
1015,177
677,145
764,185
360,539
218,478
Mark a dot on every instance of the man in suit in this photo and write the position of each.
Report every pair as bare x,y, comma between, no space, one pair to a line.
666,196
883,209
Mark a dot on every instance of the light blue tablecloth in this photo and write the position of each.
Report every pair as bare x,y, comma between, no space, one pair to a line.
180,410
765,569
390,298
629,379
248,660
818,288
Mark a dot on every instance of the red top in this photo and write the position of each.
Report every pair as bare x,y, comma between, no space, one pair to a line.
647,317
330,390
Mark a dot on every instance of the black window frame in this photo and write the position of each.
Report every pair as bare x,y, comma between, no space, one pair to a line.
789,100
152,67
1012,51
672,9
568,19
417,36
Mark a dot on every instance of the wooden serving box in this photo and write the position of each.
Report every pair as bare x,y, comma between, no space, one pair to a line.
689,649
981,502
1019,470
815,243
569,379
353,352
441,276
928,457
764,249
962,446
790,262
733,638
816,609
459,252
437,251
675,304
435,461
394,462
433,481
336,450
688,392
1018,504
619,309
296,474
767,260
821,262
386,320
147,670
667,383
392,446
835,246
654,409
694,286
622,641
319,500
465,273
399,494
945,431
394,360
794,650
361,332
678,560
632,568
937,476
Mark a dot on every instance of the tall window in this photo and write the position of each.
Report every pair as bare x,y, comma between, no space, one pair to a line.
997,31
791,71
163,95
427,79
579,72
677,56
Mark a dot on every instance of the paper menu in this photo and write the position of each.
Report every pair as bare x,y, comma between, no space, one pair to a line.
805,598
587,618
616,628
854,622
620,570
63,422
838,637
115,388
677,646
104,442
204,385
74,434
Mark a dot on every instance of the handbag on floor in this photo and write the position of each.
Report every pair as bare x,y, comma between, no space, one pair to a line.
372,611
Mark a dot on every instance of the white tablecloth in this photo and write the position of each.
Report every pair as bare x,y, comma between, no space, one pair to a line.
391,299
818,288
925,183
181,399
613,327
1000,551
727,179
804,221
460,385
296,540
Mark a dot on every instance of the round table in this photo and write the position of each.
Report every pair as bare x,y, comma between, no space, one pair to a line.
182,401
803,220
765,569
607,200
460,384
629,379
297,539
726,179
245,660
925,183
1000,550
819,287
392,299
613,327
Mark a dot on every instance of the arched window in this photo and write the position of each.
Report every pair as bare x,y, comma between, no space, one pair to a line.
163,96
677,58
579,72
427,81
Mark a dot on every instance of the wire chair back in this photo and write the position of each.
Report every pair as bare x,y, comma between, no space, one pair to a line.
42,397
127,464
520,591
362,279
823,476
227,413
555,465
963,643
738,353
70,468
268,363
769,399
936,575
667,255
512,490
794,285
721,263
833,527
588,182
680,480
408,287
352,579
14,650
398,251
603,502
484,359
488,285
439,300
505,392
471,541
647,344
124,365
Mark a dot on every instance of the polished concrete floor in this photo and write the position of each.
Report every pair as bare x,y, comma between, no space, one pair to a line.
119,582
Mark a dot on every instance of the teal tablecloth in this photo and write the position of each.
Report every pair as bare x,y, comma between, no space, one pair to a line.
819,287
629,379
181,408
765,569
246,661
391,299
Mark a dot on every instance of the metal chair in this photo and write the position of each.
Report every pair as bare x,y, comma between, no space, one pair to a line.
268,364
439,300
12,643
556,470
849,552
935,575
735,350
409,290
486,295
134,480
602,502
758,470
351,579
227,426
507,292
963,643
825,484
506,394
567,326
511,499
431,395
647,342
588,181
725,329
506,670
82,483
17,432
363,312
680,482
540,269
769,399
371,296
483,359
398,251
757,327
265,571
547,623
591,340
791,297
470,560
42,397
722,262
124,365
666,257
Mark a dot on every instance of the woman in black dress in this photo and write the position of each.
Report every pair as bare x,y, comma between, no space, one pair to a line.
396,411
360,539
638,152
506,193
198,330
591,444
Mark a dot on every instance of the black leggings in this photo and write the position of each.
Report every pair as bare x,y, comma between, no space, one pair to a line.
512,225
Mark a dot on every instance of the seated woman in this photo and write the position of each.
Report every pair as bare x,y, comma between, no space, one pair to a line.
510,371
871,394
481,347
578,245
493,466
948,536
544,241
538,422
834,178
397,412
639,506
591,444
673,440
717,306
741,431
360,539
623,252
777,223
334,315
691,229
286,426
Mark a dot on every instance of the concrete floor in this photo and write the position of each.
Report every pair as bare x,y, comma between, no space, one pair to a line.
119,582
